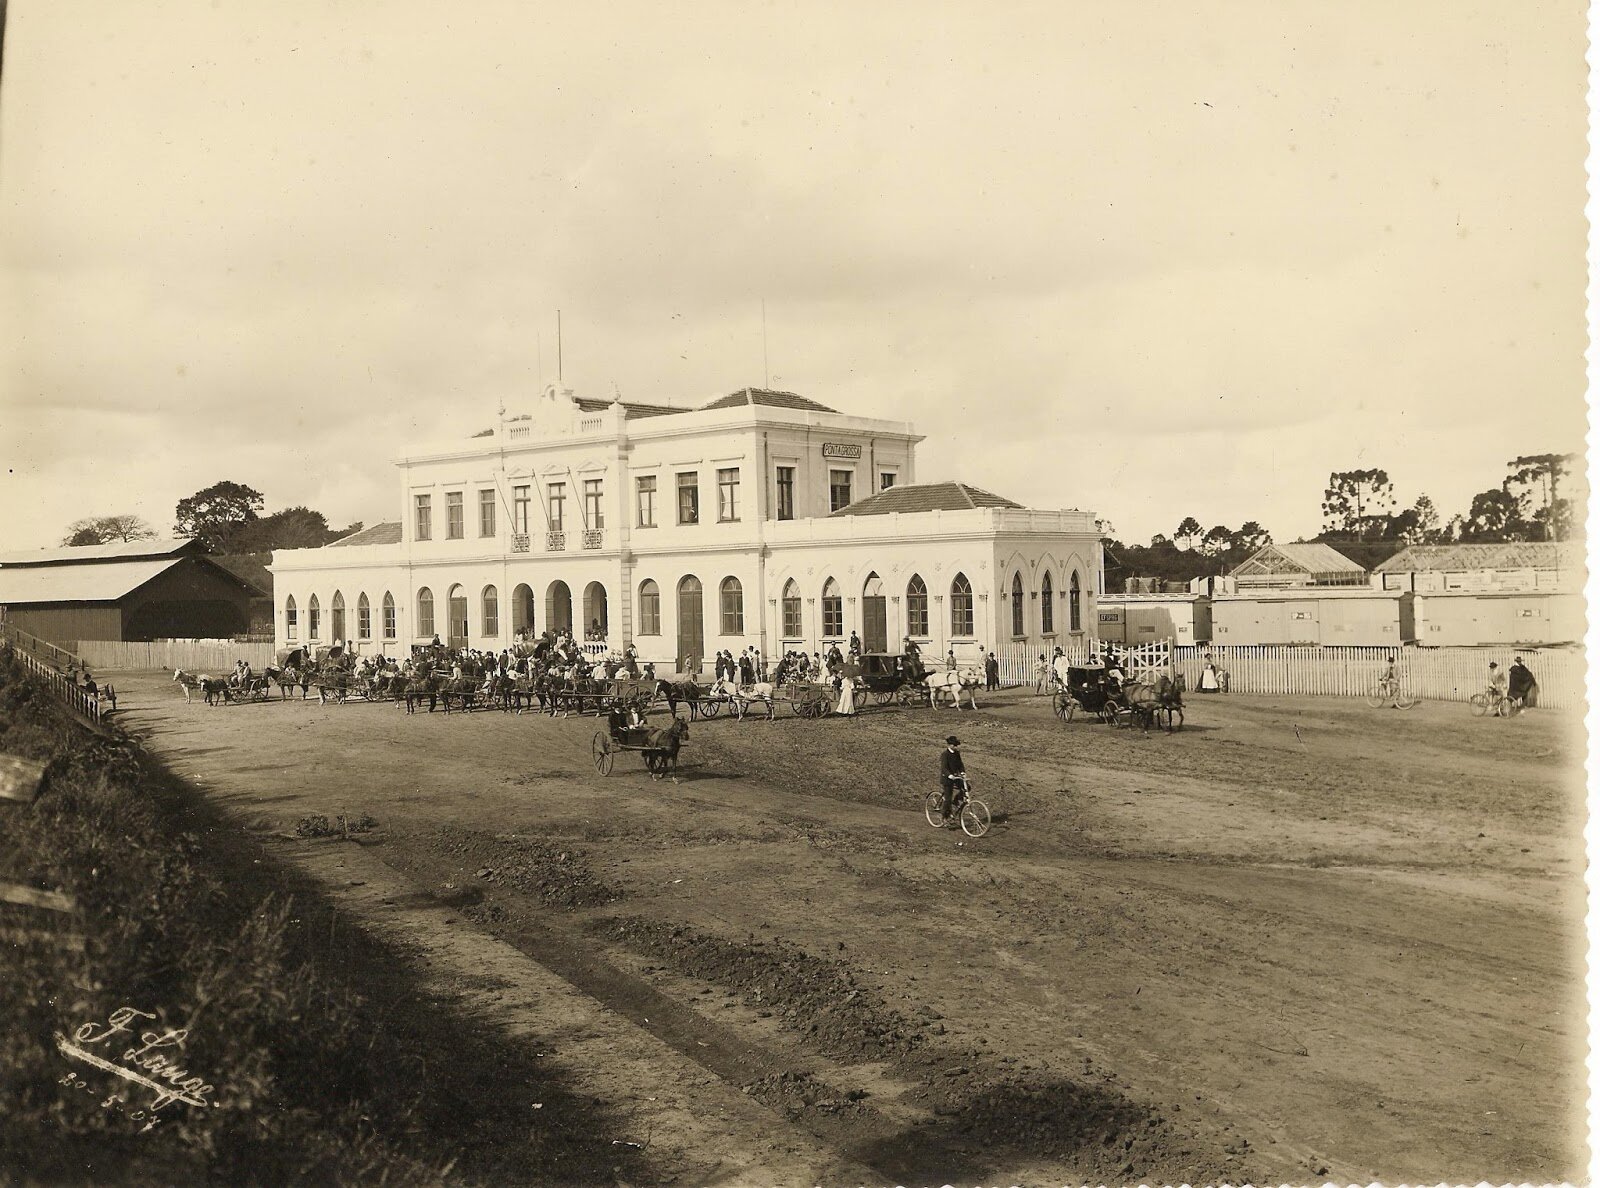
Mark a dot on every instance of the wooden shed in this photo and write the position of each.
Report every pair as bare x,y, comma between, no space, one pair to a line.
139,590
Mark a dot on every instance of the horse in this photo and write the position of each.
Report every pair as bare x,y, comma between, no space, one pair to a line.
953,683
661,748
210,688
1149,700
686,691
762,691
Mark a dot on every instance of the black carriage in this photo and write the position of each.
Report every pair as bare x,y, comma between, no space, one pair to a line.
888,677
627,730
1091,689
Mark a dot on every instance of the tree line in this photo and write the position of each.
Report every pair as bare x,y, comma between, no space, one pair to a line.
1540,498
226,517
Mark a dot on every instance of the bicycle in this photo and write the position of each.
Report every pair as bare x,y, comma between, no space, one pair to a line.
1495,703
1388,692
972,814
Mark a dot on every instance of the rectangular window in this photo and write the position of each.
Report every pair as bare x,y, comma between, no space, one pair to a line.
728,494
521,497
455,516
832,615
291,621
917,613
647,505
839,489
886,480
786,493
594,502
389,626
558,507
486,513
791,616
424,517
732,607
689,498
363,621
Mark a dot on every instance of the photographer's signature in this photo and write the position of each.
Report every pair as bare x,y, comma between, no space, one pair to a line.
150,1060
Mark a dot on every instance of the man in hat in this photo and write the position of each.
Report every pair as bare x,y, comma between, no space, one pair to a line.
950,766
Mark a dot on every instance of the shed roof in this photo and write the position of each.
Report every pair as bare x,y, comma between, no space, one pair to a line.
118,551
922,497
770,398
106,582
379,534
1302,556
1519,554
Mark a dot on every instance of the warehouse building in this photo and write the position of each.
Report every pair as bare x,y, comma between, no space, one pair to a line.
136,590
761,518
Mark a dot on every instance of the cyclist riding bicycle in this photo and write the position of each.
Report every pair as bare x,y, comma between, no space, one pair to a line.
952,771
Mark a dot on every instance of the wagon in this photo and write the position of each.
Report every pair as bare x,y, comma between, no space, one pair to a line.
1090,689
809,699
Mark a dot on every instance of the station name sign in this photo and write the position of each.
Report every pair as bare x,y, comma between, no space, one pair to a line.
835,449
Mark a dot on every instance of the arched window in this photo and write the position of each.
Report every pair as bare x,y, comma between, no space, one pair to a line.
649,608
792,628
291,619
425,612
961,606
1047,605
1074,603
832,610
596,616
491,612
456,616
314,619
390,627
917,607
1018,621
363,617
732,606
337,634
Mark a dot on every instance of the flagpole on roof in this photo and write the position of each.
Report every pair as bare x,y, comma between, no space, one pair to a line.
766,372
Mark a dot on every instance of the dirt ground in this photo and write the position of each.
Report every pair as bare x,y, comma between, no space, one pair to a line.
1299,940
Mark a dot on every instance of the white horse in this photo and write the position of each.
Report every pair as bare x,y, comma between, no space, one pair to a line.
953,684
762,691
209,687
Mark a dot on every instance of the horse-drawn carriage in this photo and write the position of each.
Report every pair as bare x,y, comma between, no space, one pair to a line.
888,677
1094,689
809,699
627,730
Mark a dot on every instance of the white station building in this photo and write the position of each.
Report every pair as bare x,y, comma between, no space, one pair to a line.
758,519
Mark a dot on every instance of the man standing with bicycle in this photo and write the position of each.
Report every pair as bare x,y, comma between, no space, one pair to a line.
951,772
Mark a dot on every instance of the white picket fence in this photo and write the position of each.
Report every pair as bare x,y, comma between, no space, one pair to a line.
191,655
1437,674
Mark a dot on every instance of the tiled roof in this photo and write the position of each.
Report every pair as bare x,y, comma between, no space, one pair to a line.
378,534
105,582
1522,554
769,398
922,497
119,551
631,408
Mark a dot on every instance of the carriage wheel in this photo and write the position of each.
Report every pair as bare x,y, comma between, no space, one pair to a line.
975,819
905,695
933,808
886,697
1405,699
709,709
1064,705
1479,703
604,756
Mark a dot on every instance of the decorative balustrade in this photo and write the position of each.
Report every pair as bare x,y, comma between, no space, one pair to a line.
555,542
521,542
594,538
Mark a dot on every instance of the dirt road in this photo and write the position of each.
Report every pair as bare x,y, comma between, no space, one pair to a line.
1301,939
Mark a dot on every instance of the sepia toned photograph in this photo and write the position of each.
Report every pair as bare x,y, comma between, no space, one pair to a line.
823,594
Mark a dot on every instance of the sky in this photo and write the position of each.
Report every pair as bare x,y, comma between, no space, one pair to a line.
1153,270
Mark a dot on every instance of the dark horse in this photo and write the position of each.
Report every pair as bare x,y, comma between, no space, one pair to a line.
661,749
684,691
1152,700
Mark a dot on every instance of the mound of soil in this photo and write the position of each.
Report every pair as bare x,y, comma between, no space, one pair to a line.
560,875
795,1093
814,996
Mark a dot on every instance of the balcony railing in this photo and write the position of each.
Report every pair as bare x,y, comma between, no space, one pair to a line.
520,542
594,538
555,542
